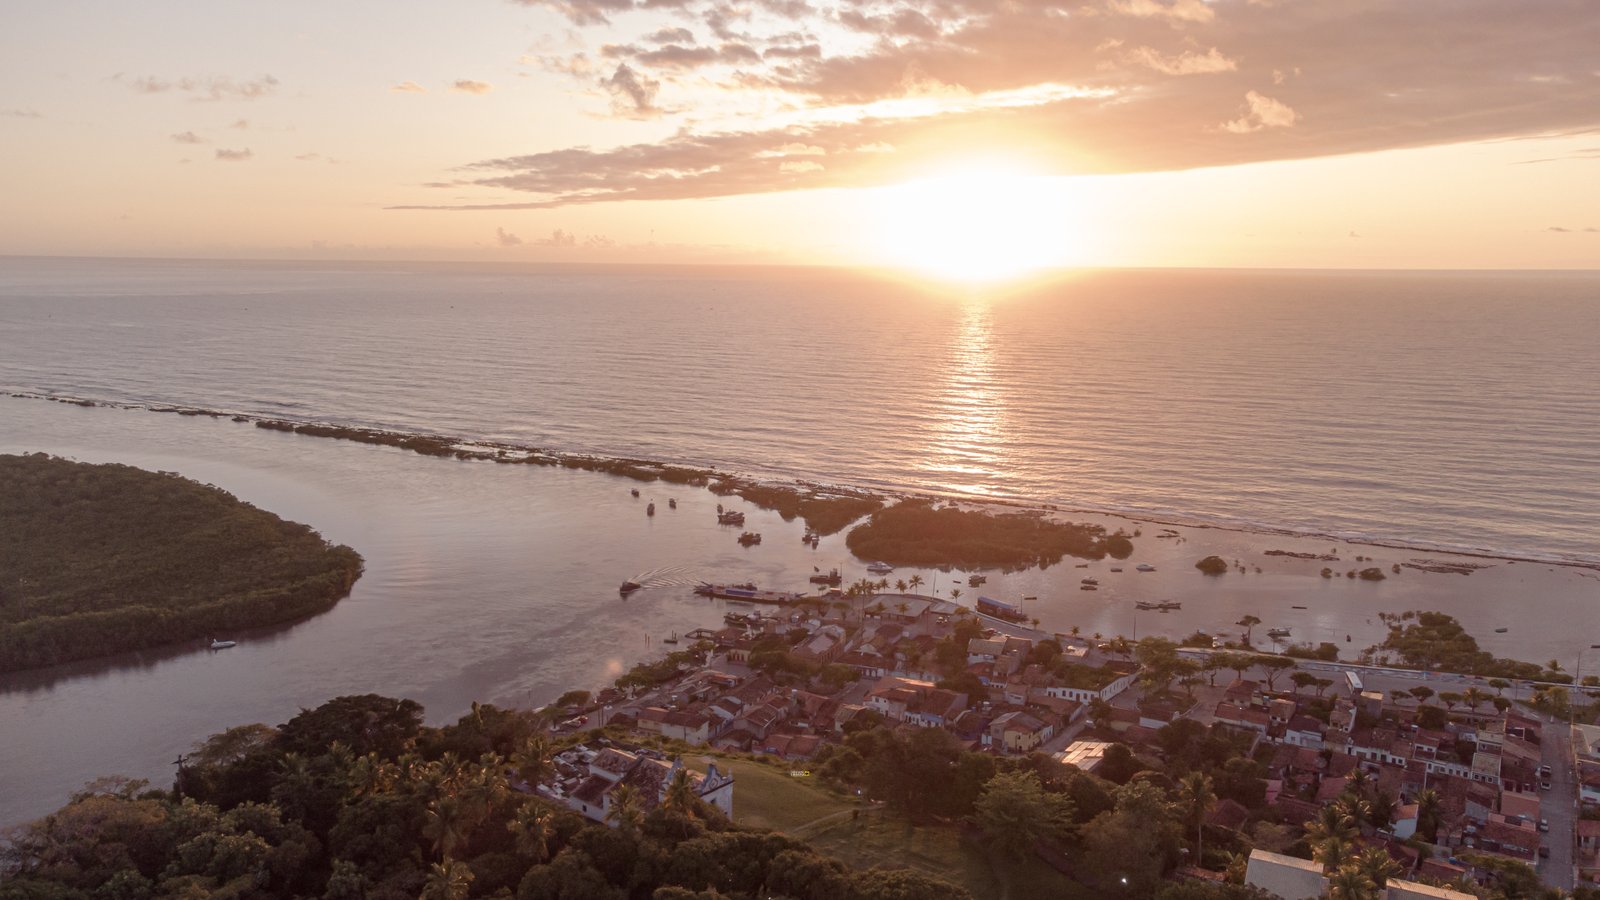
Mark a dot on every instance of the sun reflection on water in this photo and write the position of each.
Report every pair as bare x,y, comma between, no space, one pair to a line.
966,450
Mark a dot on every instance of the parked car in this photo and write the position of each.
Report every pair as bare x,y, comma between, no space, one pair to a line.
1545,772
1544,785
1544,824
1544,852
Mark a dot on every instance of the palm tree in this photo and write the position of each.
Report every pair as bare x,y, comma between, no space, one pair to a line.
626,810
448,880
1350,883
916,582
445,823
955,593
1376,864
296,787
1428,814
1196,797
534,826
900,585
1473,697
1358,781
532,762
1238,865
1331,823
1331,853
680,796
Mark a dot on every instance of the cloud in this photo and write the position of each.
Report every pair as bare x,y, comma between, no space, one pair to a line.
316,157
792,167
241,124
1087,87
226,155
1176,11
15,113
506,238
408,87
630,94
1560,230
188,137
468,86
1186,63
205,89
558,238
1262,112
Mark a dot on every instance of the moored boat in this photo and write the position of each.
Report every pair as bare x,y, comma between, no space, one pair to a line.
672,503
1001,610
731,517
1277,632
746,593
223,645
832,577
1145,567
879,567
651,509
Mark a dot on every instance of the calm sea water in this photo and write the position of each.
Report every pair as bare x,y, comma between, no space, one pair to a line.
1451,410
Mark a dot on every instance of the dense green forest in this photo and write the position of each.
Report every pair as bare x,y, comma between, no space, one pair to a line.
916,533
357,799
100,559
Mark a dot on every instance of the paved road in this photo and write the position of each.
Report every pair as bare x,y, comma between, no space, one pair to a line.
1559,806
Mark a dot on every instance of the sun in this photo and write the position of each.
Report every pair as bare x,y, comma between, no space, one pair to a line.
978,224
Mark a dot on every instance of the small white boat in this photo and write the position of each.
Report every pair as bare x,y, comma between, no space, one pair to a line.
1145,567
879,568
223,645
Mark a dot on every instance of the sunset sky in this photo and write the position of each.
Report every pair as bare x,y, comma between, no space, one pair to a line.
951,135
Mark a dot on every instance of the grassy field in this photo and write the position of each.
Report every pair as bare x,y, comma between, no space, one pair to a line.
767,797
876,839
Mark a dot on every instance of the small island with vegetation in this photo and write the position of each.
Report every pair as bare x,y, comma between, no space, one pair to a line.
101,559
918,533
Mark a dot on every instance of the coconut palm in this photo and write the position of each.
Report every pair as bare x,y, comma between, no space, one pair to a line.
1196,797
1331,822
534,826
448,880
532,762
680,796
1350,883
627,810
1331,853
1376,864
916,582
446,823
1358,781
900,585
1428,813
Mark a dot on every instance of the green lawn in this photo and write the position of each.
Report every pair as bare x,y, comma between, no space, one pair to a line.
881,839
768,797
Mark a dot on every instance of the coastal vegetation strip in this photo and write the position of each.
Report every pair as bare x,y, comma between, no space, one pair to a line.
918,533
101,559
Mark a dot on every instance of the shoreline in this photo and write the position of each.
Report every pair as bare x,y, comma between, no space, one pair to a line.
721,481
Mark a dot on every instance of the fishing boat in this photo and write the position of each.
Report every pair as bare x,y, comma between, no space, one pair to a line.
731,517
1297,607
1501,630
672,503
670,640
1144,604
629,587
651,509
832,577
1145,567
749,538
1116,568
879,567
223,645
634,492
1088,587
976,580
1091,581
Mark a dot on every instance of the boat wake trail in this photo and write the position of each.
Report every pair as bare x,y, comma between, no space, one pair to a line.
667,576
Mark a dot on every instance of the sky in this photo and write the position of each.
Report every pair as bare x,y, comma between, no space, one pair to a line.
960,137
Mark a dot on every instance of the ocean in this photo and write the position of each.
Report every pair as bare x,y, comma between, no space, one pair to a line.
1418,410
1441,410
